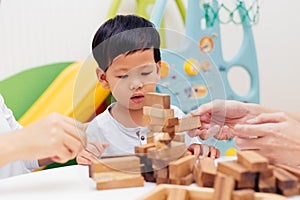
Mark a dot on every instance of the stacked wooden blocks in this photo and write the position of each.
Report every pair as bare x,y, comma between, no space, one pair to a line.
162,124
166,148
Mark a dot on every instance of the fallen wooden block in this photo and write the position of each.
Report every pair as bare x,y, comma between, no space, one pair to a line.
157,100
246,194
252,160
267,184
110,180
237,170
205,172
292,170
284,179
289,192
181,167
249,184
124,164
187,180
267,172
161,192
224,185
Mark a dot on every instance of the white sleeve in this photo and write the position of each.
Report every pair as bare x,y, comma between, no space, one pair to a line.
8,114
14,125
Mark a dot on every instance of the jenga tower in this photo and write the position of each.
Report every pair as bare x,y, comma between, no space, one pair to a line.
161,122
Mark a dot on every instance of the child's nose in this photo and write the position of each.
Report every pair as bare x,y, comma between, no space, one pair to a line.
135,84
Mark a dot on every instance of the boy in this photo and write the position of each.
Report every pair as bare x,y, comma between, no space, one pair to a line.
126,49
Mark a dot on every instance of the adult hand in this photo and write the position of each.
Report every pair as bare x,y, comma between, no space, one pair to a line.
91,153
274,135
204,150
220,116
55,136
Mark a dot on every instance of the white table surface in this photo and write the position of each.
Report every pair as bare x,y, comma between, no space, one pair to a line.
71,182
67,183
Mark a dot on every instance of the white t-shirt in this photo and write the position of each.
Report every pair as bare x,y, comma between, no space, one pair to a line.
105,129
8,123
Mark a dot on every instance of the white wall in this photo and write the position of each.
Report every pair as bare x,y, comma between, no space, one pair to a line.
35,32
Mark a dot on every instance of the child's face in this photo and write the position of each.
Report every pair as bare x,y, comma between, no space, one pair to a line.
129,77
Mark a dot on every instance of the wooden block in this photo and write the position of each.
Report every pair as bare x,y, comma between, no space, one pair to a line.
187,180
188,123
267,172
245,184
110,180
267,184
157,100
252,160
284,179
175,181
143,148
237,170
224,185
155,128
164,122
157,112
207,172
171,122
162,181
148,120
161,140
292,170
246,194
181,167
289,192
168,129
178,194
125,164
162,173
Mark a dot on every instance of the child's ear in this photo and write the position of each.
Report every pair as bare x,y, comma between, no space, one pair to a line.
158,71
102,78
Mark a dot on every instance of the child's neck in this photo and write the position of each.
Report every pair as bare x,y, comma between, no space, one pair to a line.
127,117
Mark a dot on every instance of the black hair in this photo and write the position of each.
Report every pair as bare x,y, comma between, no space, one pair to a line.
124,34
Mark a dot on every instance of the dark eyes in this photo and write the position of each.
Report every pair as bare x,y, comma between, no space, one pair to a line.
123,76
126,76
146,73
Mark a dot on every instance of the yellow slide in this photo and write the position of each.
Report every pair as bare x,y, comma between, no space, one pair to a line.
75,93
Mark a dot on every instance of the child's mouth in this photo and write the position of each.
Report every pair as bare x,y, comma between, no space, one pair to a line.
137,98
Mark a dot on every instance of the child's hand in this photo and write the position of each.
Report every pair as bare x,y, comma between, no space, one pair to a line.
204,150
92,152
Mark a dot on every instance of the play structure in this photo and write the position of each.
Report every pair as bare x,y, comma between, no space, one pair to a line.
197,73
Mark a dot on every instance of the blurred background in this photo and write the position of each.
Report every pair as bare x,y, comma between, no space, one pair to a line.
35,33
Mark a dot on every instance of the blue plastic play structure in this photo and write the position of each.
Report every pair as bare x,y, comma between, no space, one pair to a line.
197,73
